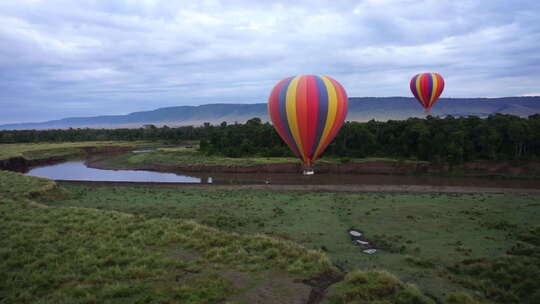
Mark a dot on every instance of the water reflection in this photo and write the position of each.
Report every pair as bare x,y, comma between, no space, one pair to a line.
77,170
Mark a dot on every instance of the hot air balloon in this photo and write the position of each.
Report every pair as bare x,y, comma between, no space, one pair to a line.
427,87
307,112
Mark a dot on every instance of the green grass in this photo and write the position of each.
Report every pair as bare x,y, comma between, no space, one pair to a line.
85,255
143,251
182,156
187,157
423,236
375,286
513,278
143,244
64,149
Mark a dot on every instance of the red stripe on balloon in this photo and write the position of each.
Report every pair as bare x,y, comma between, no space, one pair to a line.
273,106
302,112
424,89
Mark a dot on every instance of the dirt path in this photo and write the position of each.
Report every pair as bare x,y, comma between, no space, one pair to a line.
345,188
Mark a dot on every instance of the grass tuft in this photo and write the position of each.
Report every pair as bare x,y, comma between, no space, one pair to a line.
375,287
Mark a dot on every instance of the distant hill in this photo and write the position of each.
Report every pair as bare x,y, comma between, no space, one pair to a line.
360,109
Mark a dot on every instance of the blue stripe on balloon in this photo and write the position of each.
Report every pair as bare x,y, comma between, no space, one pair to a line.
322,112
283,115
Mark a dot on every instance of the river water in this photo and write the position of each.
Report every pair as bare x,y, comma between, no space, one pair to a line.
77,170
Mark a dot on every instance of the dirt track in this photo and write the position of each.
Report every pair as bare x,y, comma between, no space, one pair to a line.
346,188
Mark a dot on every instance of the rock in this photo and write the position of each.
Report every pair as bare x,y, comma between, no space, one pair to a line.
355,233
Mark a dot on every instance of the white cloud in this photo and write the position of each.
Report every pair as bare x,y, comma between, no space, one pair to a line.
156,53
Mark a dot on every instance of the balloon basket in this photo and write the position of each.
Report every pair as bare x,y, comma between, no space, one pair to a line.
308,172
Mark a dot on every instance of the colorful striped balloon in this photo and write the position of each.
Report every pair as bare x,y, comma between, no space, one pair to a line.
427,87
307,112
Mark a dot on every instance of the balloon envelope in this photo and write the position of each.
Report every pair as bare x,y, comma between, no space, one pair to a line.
307,112
427,87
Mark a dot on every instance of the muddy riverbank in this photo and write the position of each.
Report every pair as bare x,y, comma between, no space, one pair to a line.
23,164
477,168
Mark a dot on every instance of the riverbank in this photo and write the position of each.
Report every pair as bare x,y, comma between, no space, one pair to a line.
21,157
191,161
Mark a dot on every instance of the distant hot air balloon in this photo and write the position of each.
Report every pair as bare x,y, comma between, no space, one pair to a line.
307,112
427,87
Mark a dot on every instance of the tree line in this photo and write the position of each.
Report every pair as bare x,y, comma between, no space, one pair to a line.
148,132
448,139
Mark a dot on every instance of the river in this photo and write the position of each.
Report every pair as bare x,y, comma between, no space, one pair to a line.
78,171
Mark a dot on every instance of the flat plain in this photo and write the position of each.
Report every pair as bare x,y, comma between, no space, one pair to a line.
431,240
77,243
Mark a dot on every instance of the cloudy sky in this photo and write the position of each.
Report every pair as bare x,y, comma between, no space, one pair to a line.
62,58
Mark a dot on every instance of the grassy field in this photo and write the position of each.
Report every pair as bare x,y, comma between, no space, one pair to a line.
186,157
84,255
71,252
485,245
64,149
80,244
171,156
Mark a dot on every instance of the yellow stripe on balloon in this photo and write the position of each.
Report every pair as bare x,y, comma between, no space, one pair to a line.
434,89
291,114
331,115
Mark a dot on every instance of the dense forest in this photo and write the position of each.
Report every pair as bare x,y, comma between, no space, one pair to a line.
449,139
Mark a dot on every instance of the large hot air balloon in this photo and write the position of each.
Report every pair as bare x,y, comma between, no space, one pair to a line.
427,87
307,112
